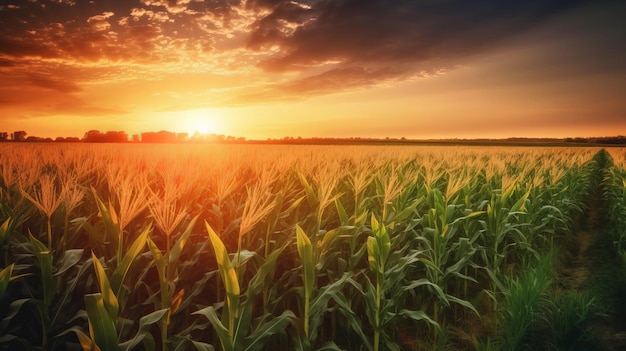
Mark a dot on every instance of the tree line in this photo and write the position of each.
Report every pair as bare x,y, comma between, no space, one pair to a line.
96,136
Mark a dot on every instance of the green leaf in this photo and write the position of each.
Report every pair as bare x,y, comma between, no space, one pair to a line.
145,323
383,243
463,303
38,246
110,220
230,280
264,275
85,341
355,321
101,325
220,329
341,211
5,277
176,250
418,316
329,346
70,259
319,305
4,230
372,253
45,266
305,251
108,296
202,346
258,339
117,278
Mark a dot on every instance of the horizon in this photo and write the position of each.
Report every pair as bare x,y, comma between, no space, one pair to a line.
165,136
263,69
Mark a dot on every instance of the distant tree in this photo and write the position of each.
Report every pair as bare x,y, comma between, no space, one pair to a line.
4,136
93,136
115,137
158,137
19,135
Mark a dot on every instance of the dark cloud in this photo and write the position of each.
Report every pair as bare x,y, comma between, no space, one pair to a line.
53,84
333,80
371,32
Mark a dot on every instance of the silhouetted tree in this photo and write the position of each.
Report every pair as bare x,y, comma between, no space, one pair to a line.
95,136
4,136
19,135
158,137
115,137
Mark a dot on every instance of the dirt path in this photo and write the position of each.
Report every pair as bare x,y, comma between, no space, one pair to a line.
590,264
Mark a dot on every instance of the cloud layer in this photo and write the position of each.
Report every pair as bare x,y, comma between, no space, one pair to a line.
260,51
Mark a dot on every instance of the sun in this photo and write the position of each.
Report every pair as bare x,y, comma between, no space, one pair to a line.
203,126
201,121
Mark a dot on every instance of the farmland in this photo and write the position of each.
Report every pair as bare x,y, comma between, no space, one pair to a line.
243,247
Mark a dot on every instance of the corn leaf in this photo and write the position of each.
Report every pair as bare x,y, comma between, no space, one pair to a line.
117,278
70,259
108,296
85,341
145,323
258,339
221,331
38,246
230,280
5,277
101,325
305,251
4,230
264,274
178,247
110,220
45,266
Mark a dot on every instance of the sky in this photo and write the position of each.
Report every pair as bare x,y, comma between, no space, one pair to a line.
315,68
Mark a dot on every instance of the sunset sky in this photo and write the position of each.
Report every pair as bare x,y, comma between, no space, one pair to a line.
334,68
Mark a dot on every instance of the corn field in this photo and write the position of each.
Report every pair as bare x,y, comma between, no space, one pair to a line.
209,247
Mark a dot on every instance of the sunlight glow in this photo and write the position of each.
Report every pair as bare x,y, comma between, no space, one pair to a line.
202,121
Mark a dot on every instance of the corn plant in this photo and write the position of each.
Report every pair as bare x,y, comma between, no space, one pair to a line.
386,291
501,231
314,299
448,254
167,273
235,329
103,311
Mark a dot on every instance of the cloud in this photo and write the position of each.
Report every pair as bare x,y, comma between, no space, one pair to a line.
285,49
77,107
51,83
172,6
99,22
376,32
